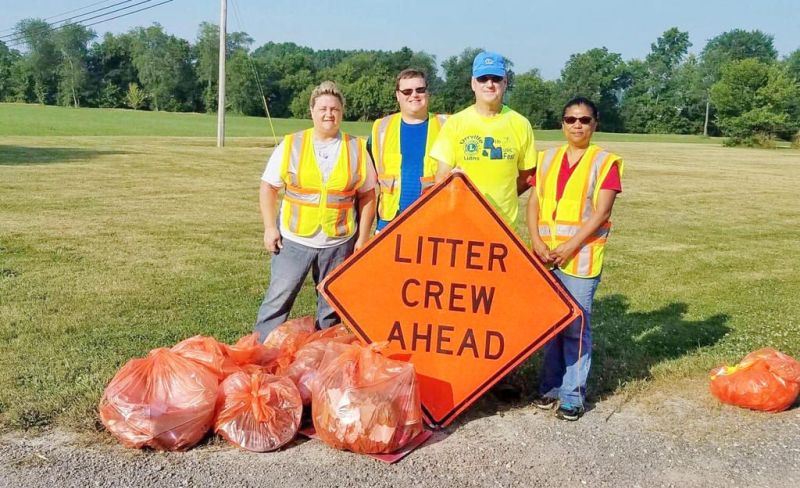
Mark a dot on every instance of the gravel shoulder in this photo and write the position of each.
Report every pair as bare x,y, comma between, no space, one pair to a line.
677,436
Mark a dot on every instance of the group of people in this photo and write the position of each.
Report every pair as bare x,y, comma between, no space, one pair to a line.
334,184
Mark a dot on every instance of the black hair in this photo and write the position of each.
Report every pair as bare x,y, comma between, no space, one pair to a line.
581,101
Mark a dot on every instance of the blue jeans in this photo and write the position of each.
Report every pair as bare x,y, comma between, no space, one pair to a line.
287,274
568,356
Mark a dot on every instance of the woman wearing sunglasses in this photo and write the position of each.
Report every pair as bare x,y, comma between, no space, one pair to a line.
574,189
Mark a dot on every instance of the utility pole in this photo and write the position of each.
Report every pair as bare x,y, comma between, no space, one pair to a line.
223,21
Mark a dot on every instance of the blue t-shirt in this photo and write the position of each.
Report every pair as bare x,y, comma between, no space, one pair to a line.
413,138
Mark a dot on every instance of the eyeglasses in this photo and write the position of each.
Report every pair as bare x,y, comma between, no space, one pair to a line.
569,119
485,78
409,91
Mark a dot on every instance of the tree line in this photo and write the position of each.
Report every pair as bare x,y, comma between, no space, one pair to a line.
736,87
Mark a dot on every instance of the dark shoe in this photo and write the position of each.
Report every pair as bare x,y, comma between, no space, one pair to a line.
545,403
569,412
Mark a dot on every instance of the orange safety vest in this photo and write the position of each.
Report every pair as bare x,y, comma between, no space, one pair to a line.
388,160
308,203
575,206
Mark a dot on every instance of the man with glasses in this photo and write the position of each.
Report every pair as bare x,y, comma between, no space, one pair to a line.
399,145
488,141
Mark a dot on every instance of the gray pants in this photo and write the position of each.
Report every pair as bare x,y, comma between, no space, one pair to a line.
289,270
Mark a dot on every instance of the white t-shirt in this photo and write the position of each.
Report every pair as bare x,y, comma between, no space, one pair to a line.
327,153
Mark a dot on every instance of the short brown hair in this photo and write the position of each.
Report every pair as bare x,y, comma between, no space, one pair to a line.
409,73
325,88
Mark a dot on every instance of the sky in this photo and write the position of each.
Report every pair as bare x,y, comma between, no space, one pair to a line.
532,34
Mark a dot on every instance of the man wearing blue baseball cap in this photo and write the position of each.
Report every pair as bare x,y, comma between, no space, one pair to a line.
488,141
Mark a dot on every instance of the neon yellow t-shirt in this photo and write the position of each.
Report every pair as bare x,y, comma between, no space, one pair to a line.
491,151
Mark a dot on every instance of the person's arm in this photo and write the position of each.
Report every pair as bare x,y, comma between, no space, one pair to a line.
605,202
539,246
522,180
268,203
442,170
366,216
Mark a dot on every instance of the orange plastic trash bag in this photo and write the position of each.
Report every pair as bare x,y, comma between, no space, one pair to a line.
163,401
308,358
766,380
208,352
287,339
364,402
258,411
249,350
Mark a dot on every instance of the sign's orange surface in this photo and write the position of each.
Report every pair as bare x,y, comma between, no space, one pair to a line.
455,292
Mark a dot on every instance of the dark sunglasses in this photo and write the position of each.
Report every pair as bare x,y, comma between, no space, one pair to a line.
409,91
569,119
485,78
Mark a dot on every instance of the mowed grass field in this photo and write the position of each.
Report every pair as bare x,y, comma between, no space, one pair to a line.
111,245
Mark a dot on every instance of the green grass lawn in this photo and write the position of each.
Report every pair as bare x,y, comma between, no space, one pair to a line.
44,120
111,246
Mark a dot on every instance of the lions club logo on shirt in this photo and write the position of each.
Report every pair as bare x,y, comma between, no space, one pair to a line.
472,147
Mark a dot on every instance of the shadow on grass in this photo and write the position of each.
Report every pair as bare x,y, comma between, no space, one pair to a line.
626,346
21,155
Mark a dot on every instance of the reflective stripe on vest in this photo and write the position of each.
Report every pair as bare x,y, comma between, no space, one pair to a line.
575,207
388,160
308,203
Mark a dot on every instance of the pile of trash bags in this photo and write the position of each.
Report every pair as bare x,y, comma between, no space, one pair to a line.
253,393
765,380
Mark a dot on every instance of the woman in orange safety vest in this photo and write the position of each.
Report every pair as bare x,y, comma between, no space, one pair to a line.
574,189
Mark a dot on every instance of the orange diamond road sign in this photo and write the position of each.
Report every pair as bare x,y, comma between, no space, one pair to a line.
455,292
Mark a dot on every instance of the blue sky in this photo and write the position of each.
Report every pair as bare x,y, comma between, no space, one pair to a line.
533,34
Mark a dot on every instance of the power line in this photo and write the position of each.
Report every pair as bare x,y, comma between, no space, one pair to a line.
20,41
255,73
76,18
19,35
68,12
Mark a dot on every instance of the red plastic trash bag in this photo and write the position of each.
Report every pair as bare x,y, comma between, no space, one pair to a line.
364,402
249,350
308,358
766,380
259,412
163,401
208,352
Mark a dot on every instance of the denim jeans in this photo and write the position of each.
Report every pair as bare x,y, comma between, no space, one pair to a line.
288,272
568,356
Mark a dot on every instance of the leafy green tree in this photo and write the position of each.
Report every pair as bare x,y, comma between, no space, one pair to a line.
734,45
533,97
792,63
456,91
206,52
73,73
284,70
660,98
370,97
42,58
242,93
601,76
8,59
112,70
753,99
164,66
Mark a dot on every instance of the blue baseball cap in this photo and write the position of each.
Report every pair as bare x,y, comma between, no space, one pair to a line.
488,63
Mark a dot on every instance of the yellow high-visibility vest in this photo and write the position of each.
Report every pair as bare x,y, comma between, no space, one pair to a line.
575,206
308,203
388,160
